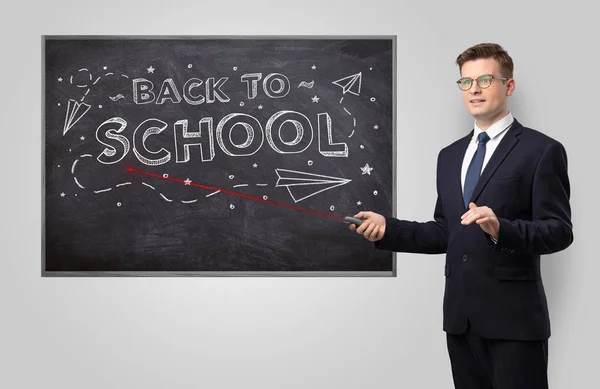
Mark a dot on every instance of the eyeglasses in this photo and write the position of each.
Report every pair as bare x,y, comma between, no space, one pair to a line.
466,83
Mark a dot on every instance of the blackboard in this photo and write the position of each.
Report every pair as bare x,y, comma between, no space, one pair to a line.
216,155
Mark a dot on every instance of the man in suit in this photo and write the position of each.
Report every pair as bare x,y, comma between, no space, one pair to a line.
503,200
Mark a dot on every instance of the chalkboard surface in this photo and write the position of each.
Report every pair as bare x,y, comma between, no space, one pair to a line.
218,156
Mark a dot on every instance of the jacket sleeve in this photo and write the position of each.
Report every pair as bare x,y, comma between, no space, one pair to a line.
550,229
417,237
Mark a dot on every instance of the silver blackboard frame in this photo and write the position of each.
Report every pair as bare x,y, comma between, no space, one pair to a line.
46,273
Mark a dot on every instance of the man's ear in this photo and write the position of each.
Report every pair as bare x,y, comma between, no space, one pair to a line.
510,86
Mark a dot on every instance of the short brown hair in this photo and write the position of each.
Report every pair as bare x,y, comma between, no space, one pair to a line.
488,50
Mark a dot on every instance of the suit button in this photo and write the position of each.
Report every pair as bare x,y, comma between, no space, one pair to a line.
465,257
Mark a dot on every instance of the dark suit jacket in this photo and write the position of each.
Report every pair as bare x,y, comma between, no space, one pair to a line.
497,287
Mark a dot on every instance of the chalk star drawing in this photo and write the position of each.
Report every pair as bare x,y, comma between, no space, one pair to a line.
302,185
82,137
359,203
60,79
350,84
260,107
366,169
75,111
255,165
187,181
315,99
376,126
313,67
150,69
62,194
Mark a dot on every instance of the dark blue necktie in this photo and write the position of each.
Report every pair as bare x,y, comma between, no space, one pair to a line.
474,169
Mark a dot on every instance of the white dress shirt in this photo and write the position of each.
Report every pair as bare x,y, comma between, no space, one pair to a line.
496,132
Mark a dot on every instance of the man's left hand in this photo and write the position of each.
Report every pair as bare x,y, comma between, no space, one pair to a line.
484,216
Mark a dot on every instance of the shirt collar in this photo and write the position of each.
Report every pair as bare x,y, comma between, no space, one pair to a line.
495,129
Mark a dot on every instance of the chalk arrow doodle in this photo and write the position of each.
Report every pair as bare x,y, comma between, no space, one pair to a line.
303,185
75,111
350,84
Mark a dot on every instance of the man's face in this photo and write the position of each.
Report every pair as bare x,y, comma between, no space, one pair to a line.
490,104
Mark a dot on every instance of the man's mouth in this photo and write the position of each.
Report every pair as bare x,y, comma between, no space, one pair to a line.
477,101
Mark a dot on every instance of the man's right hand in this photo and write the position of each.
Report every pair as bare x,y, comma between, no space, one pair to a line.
373,226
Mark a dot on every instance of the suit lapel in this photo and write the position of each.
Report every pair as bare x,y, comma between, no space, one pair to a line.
507,143
461,149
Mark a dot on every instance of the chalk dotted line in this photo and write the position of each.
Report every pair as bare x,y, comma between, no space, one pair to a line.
74,165
89,87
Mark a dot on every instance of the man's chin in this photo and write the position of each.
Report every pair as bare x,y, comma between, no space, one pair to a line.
480,114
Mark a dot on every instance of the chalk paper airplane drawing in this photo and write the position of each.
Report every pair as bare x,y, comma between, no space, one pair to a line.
302,185
75,111
350,84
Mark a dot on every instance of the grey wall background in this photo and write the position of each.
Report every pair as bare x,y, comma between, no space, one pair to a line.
297,332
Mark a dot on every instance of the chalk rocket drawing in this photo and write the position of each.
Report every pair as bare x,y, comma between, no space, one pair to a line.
350,84
302,185
75,111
